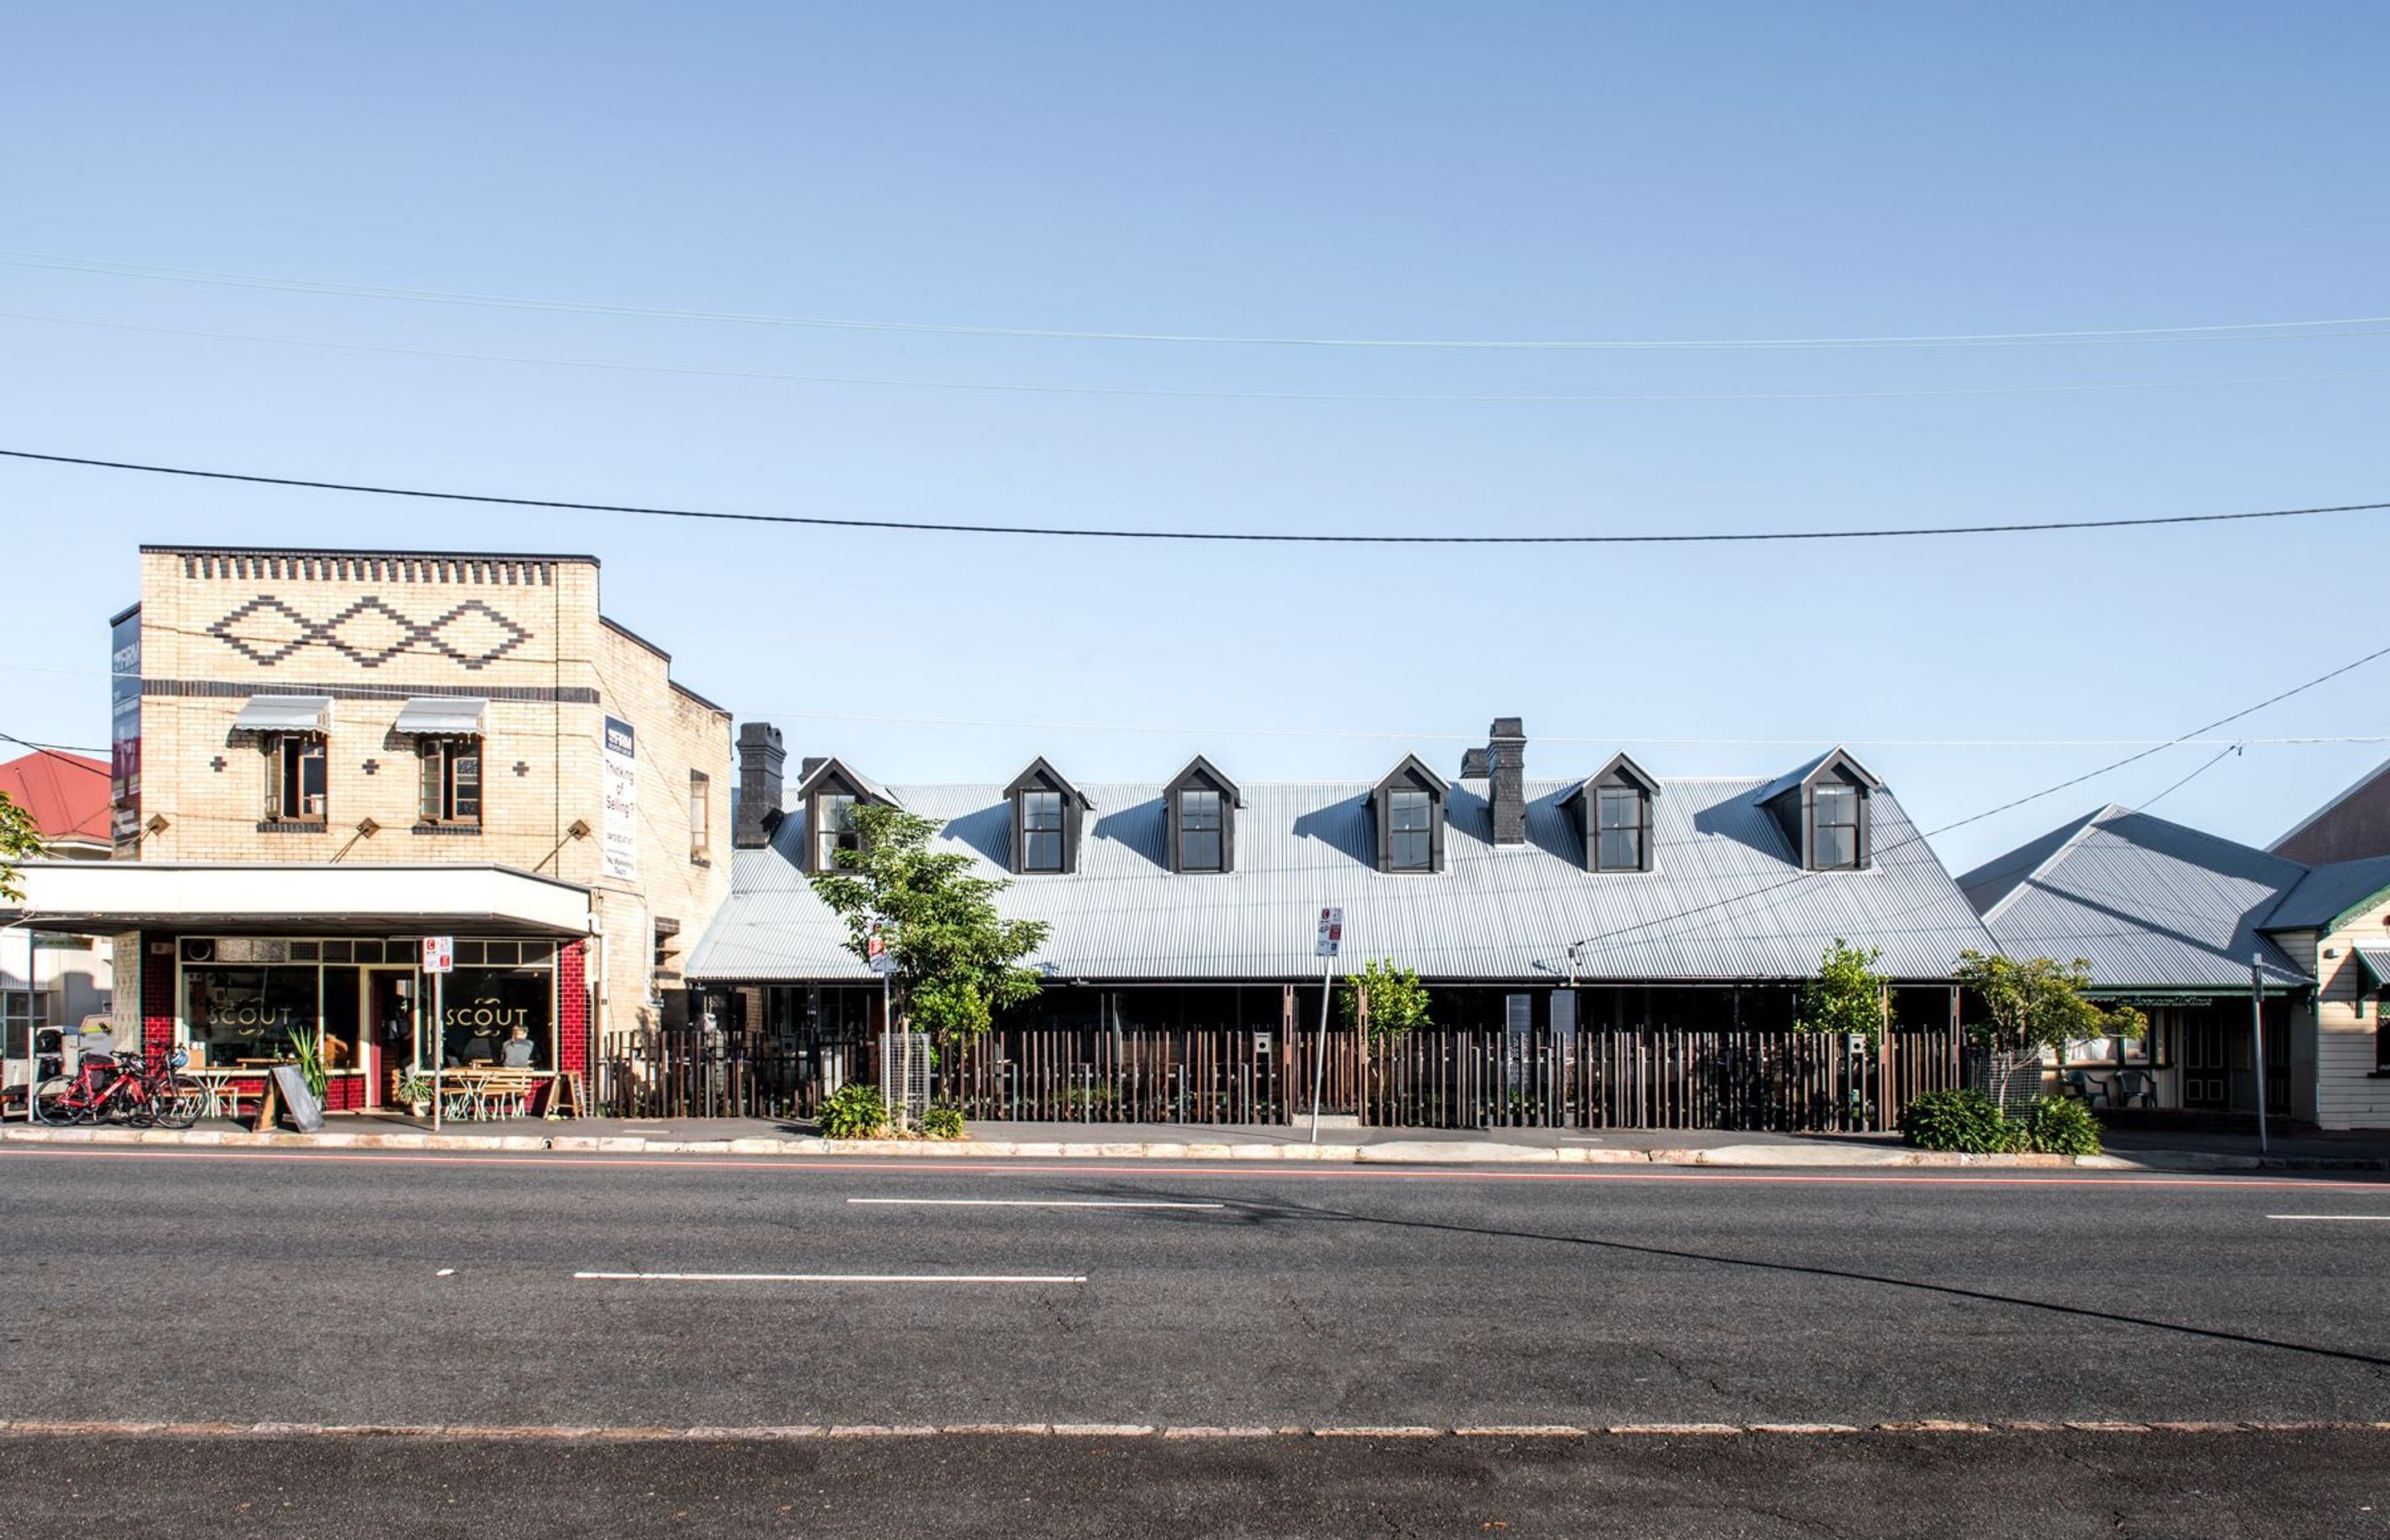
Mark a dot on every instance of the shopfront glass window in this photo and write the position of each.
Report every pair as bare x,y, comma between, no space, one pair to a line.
500,1016
248,1013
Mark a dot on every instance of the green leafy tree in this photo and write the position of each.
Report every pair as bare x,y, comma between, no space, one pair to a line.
2035,1002
19,840
1848,995
2031,1005
958,960
1394,998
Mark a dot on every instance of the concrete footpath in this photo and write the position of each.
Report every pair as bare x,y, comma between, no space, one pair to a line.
2137,1151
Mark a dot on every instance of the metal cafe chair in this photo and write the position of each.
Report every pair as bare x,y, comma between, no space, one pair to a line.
2095,1093
2135,1085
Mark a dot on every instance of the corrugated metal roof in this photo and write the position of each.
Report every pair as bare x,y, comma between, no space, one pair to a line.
2149,905
2327,891
1724,901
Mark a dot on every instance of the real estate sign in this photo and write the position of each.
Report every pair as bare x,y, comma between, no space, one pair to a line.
621,835
124,727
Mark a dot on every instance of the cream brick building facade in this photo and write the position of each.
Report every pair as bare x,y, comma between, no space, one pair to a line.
368,638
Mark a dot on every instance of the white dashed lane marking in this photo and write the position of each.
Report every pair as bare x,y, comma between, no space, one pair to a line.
1030,1203
832,1277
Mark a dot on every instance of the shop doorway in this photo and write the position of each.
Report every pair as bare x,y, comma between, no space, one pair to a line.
387,1026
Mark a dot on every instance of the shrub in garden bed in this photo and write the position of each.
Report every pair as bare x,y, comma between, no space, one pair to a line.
854,1112
1971,1123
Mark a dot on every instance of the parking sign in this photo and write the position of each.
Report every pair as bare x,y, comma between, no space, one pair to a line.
1331,933
439,953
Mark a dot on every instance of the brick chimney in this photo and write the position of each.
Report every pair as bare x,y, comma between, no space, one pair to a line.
1506,753
760,757
1474,764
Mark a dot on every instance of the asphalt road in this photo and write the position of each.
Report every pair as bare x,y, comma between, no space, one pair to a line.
2096,1486
161,1286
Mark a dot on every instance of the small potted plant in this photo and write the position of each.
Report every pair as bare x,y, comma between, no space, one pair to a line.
414,1088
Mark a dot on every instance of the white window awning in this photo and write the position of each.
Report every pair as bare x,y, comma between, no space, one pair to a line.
283,714
442,716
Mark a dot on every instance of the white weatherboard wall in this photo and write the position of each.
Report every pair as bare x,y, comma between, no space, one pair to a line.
2349,1094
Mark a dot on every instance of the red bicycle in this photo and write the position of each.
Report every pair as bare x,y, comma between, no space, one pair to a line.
143,1089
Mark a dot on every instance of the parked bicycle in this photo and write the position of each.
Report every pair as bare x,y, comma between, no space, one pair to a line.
143,1089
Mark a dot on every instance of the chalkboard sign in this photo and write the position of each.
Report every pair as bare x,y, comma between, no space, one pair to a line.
305,1111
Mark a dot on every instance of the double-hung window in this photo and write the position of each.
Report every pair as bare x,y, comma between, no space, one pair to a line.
700,815
1618,832
452,780
295,780
837,832
1041,832
1199,831
1411,824
1834,827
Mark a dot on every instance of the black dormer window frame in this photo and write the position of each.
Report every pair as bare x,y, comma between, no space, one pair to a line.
1183,840
1411,775
1838,793
1043,833
1202,830
1410,830
1605,798
1064,828
825,836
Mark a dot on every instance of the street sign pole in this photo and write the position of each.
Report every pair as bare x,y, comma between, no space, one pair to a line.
439,956
2257,1028
1331,938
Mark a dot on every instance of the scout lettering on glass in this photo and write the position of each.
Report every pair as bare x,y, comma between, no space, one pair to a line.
488,1007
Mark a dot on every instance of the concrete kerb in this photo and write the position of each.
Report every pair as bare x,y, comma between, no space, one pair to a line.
1385,1152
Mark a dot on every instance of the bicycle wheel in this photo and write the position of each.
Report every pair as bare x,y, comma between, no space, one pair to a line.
55,1103
179,1102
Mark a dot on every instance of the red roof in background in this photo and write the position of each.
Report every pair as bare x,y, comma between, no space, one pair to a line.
67,795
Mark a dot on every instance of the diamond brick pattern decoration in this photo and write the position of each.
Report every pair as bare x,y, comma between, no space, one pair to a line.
369,633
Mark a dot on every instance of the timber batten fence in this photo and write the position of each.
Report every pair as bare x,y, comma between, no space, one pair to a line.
1602,1077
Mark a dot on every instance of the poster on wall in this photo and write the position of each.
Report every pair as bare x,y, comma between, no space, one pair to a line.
622,831
124,726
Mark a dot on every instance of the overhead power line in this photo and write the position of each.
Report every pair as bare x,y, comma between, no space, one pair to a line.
1225,536
1019,388
2232,331
2051,790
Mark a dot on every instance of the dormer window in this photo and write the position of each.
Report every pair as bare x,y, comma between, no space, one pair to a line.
1618,840
1410,819
1201,805
1612,811
1834,827
1041,832
829,793
1410,807
833,829
1822,807
1045,821
1199,823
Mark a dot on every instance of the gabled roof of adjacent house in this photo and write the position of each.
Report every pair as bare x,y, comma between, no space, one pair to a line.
67,795
1726,899
2149,904
2327,891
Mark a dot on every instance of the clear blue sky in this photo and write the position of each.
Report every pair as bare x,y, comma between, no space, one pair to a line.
1370,170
